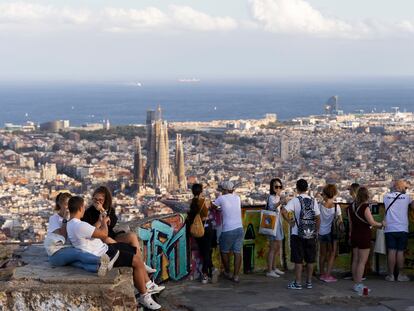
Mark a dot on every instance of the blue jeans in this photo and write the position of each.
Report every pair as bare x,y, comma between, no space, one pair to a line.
76,258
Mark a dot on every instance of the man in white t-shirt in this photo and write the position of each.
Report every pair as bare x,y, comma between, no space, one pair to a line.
88,238
305,226
396,204
231,238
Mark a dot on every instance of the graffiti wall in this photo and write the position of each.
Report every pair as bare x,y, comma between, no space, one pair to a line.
165,247
175,256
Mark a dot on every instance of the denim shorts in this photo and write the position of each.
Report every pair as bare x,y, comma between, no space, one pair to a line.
396,240
232,241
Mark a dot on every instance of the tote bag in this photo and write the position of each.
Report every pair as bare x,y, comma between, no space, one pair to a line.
380,247
268,223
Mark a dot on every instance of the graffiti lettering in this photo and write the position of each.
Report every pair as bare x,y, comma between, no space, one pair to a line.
165,250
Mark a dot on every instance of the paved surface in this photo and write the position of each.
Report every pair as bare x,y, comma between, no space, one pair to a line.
257,292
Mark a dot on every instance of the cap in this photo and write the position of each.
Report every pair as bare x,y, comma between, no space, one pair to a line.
227,185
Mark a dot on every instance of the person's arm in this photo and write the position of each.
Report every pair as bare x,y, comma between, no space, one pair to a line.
289,207
62,231
318,223
371,220
102,231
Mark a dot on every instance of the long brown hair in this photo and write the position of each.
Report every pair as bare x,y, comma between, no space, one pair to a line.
107,205
362,196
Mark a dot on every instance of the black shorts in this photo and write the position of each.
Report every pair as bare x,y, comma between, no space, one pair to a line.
302,250
126,254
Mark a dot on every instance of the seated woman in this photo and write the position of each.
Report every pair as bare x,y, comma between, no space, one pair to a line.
102,205
60,253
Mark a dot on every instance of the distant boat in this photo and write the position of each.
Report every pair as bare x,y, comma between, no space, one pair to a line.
191,80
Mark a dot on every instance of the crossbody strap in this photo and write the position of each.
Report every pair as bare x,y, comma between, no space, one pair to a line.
359,217
395,199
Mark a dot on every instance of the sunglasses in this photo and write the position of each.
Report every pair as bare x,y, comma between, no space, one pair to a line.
278,187
98,200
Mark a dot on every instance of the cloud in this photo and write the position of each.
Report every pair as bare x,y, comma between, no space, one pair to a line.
19,14
191,19
406,26
297,17
132,19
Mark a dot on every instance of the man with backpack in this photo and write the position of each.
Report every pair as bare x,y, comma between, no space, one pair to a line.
304,231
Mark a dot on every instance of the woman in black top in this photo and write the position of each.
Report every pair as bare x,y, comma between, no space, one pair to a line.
102,204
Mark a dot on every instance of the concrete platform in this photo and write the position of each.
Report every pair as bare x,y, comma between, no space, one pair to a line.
39,286
257,292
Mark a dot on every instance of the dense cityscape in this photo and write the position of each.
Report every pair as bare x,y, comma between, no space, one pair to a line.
38,161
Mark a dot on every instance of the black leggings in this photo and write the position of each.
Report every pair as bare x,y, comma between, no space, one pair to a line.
205,248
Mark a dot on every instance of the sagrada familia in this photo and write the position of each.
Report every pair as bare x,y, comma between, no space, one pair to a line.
157,172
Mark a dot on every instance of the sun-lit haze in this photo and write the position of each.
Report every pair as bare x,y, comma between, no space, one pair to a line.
235,39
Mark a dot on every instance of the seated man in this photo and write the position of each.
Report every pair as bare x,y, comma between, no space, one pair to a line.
89,238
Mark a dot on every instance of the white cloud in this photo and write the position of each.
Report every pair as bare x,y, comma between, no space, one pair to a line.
131,19
196,20
406,26
19,14
296,16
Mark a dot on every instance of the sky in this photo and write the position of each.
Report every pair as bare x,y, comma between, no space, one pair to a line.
252,40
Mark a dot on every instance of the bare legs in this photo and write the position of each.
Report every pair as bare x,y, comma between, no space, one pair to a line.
132,239
225,257
273,255
359,260
327,255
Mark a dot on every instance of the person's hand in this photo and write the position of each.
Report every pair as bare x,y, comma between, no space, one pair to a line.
384,223
98,206
106,220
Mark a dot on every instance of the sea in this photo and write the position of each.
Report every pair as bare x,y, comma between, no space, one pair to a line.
126,102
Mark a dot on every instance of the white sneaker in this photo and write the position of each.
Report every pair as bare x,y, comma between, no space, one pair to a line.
272,274
204,279
390,278
107,263
358,287
154,288
214,275
403,278
113,260
149,269
280,272
147,302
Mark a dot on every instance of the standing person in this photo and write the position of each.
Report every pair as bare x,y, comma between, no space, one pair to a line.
304,231
396,204
231,238
90,239
361,221
274,202
60,252
102,204
328,243
200,205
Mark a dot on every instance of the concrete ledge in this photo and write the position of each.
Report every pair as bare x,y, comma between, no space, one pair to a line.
39,286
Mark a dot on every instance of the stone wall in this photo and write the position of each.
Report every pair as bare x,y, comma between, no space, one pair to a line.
39,286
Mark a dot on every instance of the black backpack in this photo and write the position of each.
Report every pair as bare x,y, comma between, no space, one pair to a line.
307,219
